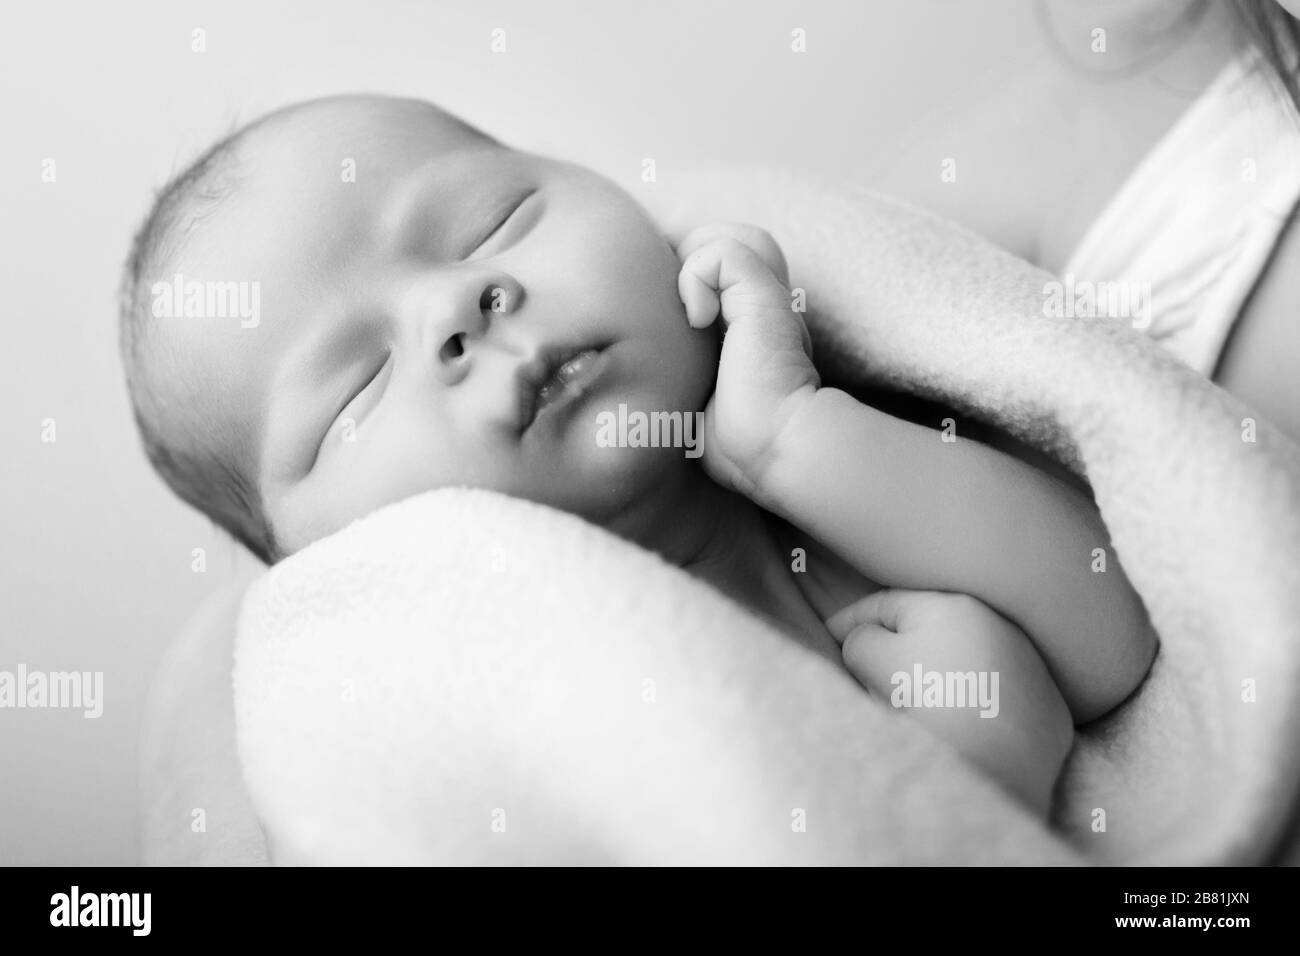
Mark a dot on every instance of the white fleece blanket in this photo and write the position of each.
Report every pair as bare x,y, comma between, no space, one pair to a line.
401,686
375,694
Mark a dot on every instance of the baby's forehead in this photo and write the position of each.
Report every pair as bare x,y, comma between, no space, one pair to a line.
372,124
315,190
307,184
362,143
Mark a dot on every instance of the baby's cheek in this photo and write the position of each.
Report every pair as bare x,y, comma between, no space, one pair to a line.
391,467
696,355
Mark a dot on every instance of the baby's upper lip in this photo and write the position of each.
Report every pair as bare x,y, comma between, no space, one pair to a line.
534,374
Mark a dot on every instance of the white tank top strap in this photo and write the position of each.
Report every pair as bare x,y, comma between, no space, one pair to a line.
1192,228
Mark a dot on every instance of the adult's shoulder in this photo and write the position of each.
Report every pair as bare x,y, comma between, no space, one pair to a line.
1260,363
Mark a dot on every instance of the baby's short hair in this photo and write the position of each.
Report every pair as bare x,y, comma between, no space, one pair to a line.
223,490
218,488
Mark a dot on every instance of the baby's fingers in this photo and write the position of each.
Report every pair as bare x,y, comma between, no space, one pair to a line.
873,653
759,240
727,270
884,609
701,299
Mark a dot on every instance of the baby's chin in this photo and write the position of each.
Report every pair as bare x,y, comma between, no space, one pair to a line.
612,484
623,449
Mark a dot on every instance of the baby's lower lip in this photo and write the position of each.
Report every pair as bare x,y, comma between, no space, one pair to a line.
572,379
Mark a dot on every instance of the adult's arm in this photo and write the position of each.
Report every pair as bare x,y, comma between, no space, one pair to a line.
194,809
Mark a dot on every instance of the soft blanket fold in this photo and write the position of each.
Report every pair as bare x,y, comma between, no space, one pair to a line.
377,700
462,661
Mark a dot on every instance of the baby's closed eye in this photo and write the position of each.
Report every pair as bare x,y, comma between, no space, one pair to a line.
363,398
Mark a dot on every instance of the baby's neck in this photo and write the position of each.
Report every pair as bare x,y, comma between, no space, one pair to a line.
727,540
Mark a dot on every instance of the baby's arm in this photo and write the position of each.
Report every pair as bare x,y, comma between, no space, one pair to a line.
905,507
911,511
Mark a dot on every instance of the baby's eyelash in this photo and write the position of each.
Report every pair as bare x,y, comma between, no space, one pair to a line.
480,243
501,221
355,395
371,381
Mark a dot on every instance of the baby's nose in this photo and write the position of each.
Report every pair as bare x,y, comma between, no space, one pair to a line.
501,296
452,316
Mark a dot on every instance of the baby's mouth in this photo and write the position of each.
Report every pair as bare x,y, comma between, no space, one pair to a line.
555,378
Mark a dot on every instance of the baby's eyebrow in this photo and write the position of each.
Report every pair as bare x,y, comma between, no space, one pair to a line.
409,218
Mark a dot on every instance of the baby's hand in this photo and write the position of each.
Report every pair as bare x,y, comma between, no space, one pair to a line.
891,637
766,369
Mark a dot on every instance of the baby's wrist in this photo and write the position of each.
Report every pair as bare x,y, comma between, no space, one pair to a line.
773,474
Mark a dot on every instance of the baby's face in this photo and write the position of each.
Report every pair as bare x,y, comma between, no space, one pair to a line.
455,314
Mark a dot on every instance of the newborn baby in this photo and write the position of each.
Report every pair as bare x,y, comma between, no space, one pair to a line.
436,309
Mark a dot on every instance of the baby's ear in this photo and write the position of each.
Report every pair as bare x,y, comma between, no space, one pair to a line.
760,240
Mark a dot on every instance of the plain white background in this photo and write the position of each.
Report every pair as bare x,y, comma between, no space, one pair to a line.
95,554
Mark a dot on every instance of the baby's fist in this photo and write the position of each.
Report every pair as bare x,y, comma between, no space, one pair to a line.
766,368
